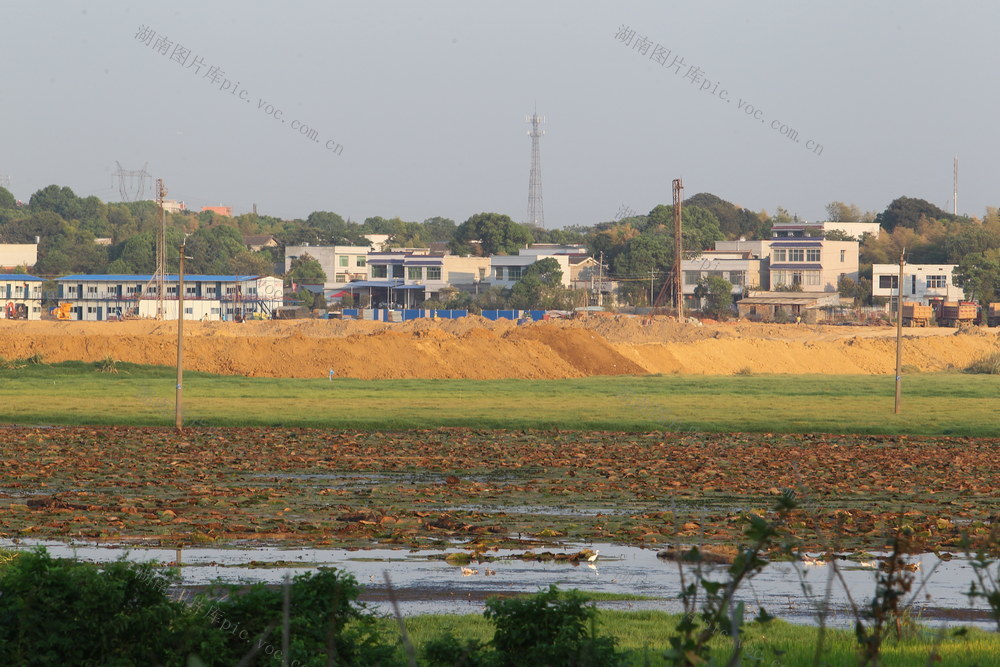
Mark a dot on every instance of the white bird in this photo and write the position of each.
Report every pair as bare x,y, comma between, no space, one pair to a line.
468,571
593,556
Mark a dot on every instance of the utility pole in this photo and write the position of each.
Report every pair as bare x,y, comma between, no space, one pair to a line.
179,400
899,333
652,273
600,281
678,249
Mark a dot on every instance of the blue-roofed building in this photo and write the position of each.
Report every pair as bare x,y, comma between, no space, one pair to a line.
20,296
97,297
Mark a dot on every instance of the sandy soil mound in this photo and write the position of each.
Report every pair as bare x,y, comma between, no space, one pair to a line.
477,348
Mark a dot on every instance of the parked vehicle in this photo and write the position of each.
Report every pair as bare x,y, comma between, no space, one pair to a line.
917,315
993,315
953,313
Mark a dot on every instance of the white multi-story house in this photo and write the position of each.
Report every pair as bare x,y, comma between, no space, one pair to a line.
408,277
743,270
921,282
506,270
20,296
812,263
206,297
341,263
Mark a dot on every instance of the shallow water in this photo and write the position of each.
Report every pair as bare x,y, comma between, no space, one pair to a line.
424,583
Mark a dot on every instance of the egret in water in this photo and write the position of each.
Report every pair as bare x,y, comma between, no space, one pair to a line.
593,556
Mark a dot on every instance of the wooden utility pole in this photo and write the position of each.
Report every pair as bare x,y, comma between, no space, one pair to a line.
179,400
678,250
899,332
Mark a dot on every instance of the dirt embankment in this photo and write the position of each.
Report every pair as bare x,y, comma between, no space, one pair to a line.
473,347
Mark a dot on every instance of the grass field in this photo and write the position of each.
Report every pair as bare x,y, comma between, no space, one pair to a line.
76,393
643,636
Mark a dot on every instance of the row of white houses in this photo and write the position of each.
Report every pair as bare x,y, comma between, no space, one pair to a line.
98,297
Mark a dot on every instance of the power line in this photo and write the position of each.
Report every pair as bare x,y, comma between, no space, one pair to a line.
132,184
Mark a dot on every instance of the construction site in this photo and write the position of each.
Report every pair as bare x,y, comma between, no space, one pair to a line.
476,348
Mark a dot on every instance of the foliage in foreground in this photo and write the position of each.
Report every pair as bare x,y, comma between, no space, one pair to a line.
58,611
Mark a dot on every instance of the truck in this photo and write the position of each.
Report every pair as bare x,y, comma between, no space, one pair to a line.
993,314
953,313
916,315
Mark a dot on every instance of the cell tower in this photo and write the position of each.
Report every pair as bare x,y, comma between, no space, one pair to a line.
158,279
132,184
954,193
536,215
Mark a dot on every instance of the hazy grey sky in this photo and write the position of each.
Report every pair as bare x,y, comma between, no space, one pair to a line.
428,101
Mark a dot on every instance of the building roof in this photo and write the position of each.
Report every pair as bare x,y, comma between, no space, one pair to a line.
258,239
129,278
20,277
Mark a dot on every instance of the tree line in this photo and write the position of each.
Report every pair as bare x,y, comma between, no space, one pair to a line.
637,250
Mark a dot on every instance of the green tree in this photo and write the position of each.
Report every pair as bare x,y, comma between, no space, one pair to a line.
907,212
979,275
60,200
212,249
7,200
838,211
307,270
488,234
717,293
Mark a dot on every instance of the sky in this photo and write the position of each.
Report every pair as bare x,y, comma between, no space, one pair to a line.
417,109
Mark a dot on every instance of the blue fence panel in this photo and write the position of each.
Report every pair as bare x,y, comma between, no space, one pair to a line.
350,312
491,314
537,314
412,314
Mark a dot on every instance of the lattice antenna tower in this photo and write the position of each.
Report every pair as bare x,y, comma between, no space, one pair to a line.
161,249
132,184
158,279
536,214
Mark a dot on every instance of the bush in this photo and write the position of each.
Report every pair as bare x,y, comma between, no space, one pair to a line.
553,628
988,365
60,612
550,628
55,611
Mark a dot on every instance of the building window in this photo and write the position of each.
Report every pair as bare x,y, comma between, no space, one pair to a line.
92,289
888,282
190,290
91,309
434,273
843,255
189,311
796,254
397,270
360,260
499,271
514,272
738,278
812,255
172,290
692,277
812,277
342,260
380,271
341,277
415,272
937,282
215,311
780,255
